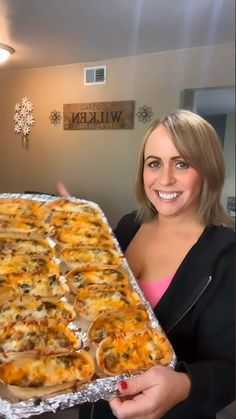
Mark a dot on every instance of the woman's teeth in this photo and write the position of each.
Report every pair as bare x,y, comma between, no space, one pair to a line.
166,195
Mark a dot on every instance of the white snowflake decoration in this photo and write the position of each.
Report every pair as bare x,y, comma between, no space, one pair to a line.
23,117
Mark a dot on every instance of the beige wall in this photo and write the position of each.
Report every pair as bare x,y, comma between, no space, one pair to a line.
98,165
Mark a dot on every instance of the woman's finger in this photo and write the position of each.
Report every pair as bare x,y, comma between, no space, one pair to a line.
62,190
131,408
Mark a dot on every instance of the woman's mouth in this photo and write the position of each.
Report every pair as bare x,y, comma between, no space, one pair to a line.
168,195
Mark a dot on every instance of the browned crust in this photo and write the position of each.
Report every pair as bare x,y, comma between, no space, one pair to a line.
19,245
63,204
76,256
29,307
25,227
21,207
62,219
125,343
23,284
83,236
27,264
96,274
24,393
108,297
40,337
114,322
80,364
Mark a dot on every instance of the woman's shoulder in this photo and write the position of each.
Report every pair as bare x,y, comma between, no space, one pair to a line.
126,229
223,232
217,240
128,218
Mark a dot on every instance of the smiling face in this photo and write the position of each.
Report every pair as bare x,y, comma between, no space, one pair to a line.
171,184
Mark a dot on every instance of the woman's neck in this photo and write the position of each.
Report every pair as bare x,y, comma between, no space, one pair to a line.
179,223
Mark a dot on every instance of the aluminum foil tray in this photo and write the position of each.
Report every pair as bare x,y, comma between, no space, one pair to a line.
100,388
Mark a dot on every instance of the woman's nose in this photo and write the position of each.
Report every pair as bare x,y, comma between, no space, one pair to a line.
167,176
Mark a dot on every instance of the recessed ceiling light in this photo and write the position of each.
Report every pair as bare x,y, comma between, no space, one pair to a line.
5,52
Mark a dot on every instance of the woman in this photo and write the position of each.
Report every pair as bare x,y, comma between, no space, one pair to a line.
180,247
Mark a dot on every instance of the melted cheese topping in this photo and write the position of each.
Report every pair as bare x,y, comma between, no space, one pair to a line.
28,308
12,245
93,275
41,285
76,219
127,320
63,204
89,255
25,225
84,235
93,300
38,336
23,208
133,351
49,371
25,263
21,264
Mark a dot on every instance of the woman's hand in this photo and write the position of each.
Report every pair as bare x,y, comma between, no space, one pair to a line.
61,189
151,394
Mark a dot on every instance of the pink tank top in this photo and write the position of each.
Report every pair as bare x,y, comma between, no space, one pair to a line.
154,290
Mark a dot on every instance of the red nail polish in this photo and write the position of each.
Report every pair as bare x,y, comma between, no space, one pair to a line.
123,385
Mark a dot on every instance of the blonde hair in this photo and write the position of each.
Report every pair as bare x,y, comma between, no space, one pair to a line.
197,141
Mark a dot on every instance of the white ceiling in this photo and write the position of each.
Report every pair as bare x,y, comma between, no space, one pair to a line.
58,32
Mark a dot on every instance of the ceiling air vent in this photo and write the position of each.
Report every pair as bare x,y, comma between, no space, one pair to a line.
95,75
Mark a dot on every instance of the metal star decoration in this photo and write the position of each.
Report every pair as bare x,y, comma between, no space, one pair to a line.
55,117
144,113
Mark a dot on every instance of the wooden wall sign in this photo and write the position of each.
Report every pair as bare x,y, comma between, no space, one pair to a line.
98,115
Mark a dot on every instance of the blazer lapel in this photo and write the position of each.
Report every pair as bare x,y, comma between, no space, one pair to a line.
187,286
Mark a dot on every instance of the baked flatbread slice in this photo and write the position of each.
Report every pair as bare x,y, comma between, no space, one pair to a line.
42,375
63,204
27,264
23,207
95,299
84,236
129,352
32,308
95,275
85,255
62,219
41,285
41,337
12,245
114,322
25,227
